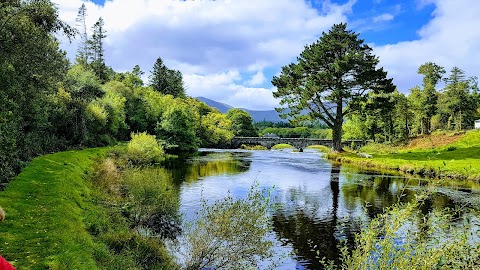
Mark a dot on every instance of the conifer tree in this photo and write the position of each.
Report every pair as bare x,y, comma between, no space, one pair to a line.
331,79
166,81
83,46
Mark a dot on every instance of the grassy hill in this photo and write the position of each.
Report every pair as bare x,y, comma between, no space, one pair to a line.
439,155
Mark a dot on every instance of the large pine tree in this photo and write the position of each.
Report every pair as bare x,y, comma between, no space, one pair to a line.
331,78
96,52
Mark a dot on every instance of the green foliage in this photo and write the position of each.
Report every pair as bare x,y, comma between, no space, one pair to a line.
145,212
229,234
405,238
282,146
253,147
355,128
153,202
216,130
458,160
331,79
96,50
143,149
31,63
177,128
242,123
166,81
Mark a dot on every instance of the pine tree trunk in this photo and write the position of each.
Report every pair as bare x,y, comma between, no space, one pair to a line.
337,128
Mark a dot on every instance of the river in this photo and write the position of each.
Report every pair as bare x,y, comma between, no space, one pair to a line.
319,204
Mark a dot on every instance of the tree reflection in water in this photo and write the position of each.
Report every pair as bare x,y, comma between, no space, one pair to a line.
320,205
315,232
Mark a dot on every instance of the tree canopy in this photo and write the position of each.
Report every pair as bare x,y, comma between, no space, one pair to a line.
330,80
166,81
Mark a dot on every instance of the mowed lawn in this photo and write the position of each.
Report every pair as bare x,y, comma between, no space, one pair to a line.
453,155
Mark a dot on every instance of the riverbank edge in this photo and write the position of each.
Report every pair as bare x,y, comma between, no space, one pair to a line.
48,205
372,164
52,207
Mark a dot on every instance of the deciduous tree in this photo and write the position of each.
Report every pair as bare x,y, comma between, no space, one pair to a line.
242,123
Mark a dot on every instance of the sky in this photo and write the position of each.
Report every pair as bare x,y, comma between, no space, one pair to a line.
229,50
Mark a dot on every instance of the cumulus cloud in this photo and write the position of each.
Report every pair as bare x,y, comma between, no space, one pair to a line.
206,38
225,47
257,79
450,39
226,88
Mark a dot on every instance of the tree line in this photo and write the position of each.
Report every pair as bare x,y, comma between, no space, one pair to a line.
337,81
50,104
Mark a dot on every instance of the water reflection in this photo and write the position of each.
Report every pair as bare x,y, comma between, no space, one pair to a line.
188,169
320,204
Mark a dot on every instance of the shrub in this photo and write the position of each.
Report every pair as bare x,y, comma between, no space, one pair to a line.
229,234
405,238
144,149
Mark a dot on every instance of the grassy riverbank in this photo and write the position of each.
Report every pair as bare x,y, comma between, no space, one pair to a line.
58,219
440,155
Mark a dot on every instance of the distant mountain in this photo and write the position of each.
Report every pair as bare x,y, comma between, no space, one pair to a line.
222,107
258,116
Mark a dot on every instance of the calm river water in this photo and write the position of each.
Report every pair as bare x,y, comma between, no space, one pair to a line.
319,204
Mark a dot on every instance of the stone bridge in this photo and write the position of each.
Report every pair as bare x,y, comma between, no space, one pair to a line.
299,143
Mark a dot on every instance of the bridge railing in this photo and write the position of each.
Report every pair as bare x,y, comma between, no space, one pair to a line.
296,142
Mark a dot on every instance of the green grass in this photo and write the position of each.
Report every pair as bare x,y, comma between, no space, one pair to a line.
58,219
282,146
458,160
46,207
320,148
253,147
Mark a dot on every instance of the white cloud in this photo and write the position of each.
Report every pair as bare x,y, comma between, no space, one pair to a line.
218,45
450,39
206,38
257,79
225,87
383,18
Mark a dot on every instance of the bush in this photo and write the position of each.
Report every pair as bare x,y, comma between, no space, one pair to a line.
229,234
143,149
405,238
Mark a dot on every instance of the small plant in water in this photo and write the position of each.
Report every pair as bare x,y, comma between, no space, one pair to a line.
229,234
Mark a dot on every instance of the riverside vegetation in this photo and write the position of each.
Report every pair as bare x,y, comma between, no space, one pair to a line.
453,155
84,210
106,208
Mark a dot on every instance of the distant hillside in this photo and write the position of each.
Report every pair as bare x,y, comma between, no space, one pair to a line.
258,116
222,107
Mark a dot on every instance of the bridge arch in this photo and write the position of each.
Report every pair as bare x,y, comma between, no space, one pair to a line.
299,143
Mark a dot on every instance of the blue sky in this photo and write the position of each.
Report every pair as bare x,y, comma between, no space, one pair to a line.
229,50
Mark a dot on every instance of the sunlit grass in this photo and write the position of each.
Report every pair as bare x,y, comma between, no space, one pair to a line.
458,159
64,211
320,148
47,207
253,147
282,146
